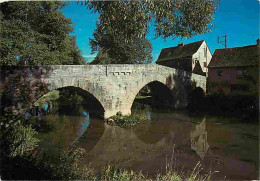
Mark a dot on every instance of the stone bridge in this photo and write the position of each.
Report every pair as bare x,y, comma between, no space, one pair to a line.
116,86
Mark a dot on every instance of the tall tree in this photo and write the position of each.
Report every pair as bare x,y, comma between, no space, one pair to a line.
123,25
36,33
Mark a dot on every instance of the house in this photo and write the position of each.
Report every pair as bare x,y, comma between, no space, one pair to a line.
193,57
235,71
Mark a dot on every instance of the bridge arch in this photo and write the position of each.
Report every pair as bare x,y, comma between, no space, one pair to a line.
160,92
91,87
89,100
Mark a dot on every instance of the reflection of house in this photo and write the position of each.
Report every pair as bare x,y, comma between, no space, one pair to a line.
193,57
199,139
234,71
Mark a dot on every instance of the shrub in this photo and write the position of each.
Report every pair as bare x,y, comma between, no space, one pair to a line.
126,121
21,140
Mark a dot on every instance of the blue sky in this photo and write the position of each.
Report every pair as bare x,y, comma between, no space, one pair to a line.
238,19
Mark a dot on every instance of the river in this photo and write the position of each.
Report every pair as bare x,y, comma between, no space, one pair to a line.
224,146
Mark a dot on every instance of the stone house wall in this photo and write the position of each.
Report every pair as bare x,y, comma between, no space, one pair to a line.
231,83
203,55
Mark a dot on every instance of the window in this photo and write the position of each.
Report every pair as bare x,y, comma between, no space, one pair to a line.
195,60
219,72
241,72
205,52
205,64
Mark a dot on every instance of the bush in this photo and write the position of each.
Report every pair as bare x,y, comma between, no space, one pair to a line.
21,140
64,164
126,121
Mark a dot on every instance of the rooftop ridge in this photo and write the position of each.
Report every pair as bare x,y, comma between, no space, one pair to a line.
183,45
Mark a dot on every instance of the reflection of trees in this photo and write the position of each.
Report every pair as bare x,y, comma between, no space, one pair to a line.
199,139
162,128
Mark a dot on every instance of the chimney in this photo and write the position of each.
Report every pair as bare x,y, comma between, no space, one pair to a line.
258,42
181,44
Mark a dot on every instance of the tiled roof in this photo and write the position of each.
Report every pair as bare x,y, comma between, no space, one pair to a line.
234,57
179,51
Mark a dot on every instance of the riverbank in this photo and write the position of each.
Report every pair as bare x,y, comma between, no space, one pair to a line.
241,108
235,108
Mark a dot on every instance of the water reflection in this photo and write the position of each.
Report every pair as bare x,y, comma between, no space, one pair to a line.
75,123
199,139
143,147
152,131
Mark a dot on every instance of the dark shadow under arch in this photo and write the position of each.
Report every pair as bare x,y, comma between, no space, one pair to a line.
155,94
89,100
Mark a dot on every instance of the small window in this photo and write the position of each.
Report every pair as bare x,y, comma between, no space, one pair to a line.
219,72
195,60
241,72
205,64
205,52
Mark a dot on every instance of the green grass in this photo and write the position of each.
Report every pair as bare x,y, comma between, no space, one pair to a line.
142,97
114,174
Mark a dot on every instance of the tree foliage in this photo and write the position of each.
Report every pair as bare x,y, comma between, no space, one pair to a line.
116,50
123,25
22,140
36,33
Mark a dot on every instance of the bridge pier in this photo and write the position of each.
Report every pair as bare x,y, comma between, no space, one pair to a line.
109,113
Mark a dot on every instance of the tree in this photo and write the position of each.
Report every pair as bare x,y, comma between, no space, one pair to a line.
36,33
123,25
116,50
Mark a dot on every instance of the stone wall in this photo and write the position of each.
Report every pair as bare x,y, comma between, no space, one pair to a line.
116,86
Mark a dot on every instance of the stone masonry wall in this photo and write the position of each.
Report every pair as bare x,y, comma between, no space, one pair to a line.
116,86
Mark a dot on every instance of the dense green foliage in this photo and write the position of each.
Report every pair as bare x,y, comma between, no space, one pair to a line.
115,50
126,121
31,33
36,33
22,140
123,26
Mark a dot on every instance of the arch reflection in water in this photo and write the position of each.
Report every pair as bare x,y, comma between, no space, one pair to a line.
199,139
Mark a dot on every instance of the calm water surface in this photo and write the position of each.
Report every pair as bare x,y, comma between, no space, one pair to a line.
231,149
